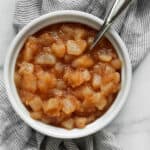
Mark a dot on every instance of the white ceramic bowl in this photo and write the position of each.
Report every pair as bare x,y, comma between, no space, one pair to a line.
41,22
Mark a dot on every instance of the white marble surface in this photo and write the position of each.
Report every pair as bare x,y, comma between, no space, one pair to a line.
132,125
6,28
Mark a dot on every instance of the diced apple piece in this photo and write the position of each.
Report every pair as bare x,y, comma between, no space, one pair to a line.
59,67
84,61
87,91
31,47
36,115
36,103
45,59
45,81
90,40
68,124
52,107
29,82
17,79
58,49
101,104
86,75
69,104
96,81
79,33
51,104
116,63
76,47
25,68
104,57
80,122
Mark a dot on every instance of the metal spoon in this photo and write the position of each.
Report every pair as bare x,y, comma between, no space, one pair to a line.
118,7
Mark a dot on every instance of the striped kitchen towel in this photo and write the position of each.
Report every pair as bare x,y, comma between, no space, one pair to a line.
133,27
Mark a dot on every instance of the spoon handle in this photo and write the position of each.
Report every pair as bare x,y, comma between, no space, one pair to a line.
118,7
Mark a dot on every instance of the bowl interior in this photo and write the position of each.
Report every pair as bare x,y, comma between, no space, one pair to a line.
36,25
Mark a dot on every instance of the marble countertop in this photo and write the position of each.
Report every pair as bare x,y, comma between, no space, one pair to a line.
132,125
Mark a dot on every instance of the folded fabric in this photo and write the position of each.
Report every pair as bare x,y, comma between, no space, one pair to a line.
133,27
